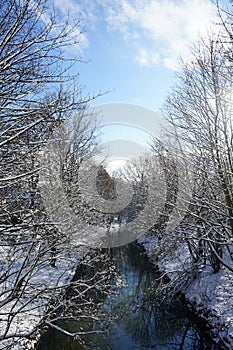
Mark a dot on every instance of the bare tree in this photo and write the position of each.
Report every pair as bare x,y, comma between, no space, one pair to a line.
34,96
37,93
200,110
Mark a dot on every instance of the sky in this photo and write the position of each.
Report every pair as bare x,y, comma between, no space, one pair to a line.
132,48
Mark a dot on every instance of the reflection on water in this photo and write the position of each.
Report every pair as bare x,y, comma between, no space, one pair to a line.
138,323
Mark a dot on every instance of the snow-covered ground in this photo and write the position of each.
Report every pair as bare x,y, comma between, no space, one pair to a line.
29,309
21,315
209,294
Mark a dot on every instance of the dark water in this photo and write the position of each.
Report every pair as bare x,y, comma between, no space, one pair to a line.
139,322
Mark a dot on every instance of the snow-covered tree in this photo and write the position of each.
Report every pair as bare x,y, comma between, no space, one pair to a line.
37,93
200,110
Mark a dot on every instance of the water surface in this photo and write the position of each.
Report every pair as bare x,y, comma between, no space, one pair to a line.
139,322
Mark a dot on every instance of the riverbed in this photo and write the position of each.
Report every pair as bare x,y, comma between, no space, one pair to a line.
137,319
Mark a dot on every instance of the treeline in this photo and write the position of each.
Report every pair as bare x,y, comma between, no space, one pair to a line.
199,111
38,92
199,148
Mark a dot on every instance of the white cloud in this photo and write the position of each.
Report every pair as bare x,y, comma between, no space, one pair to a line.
75,12
166,27
85,8
160,31
147,58
65,9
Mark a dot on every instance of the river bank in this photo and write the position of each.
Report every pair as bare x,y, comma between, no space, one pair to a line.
208,294
137,320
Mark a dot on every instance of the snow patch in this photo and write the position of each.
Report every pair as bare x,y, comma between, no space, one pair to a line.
211,294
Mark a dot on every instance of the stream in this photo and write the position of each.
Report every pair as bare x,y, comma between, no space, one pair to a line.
139,323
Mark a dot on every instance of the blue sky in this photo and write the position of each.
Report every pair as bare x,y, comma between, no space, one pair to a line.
133,47
112,67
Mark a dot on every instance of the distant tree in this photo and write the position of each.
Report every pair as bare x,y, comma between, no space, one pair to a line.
105,184
169,167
